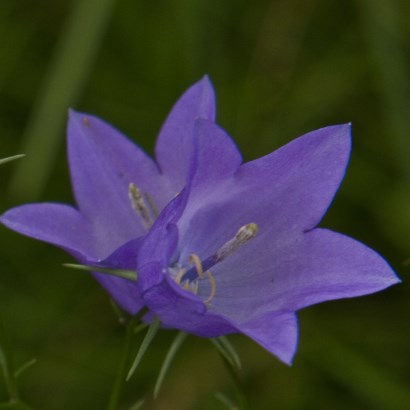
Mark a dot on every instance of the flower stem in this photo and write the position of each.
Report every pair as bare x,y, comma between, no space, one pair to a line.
176,344
7,365
123,367
237,382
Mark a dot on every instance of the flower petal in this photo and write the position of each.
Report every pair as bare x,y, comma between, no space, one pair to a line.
125,292
161,242
331,266
174,145
276,332
60,225
103,163
317,266
178,309
217,156
216,159
286,191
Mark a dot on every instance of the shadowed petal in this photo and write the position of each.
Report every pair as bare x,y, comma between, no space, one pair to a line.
161,242
179,309
217,156
60,225
103,163
276,332
174,145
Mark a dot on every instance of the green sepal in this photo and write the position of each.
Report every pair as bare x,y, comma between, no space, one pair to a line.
137,405
224,399
152,331
176,344
121,273
227,350
9,159
24,367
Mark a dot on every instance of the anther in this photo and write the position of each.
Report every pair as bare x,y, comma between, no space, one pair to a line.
86,121
194,260
139,205
152,204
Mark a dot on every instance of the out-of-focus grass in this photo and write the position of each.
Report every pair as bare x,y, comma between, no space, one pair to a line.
280,69
63,81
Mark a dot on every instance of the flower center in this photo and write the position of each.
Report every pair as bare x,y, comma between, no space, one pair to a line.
189,278
244,234
192,286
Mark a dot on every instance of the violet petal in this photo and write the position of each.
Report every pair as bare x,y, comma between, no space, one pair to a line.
174,146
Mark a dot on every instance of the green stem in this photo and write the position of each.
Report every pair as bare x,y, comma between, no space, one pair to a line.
237,382
7,365
176,344
123,367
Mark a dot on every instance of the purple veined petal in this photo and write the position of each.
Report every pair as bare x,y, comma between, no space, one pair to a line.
217,156
124,257
103,163
277,332
65,227
216,159
174,145
333,266
124,292
291,274
178,309
287,190
58,224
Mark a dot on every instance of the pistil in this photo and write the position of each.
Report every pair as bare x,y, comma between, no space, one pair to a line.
244,234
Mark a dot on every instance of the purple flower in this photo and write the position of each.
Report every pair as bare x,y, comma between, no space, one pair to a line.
219,246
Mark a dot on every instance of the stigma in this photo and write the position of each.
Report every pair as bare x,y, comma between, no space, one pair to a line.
193,286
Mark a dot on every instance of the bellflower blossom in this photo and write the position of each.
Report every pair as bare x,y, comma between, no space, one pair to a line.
220,246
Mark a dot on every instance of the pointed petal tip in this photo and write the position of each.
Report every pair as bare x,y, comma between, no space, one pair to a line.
79,118
206,89
73,114
206,81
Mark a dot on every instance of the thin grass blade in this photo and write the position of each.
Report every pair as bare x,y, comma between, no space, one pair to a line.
23,368
73,59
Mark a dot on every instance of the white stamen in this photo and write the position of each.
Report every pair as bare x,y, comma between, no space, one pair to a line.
139,205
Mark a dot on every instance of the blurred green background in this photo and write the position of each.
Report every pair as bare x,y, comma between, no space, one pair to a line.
280,69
